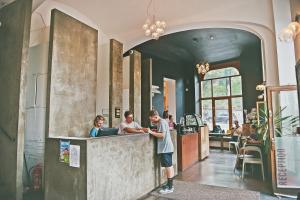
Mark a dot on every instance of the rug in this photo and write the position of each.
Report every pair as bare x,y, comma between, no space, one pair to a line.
194,191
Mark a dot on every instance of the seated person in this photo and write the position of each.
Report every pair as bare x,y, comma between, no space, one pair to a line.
236,131
98,124
217,129
252,139
129,126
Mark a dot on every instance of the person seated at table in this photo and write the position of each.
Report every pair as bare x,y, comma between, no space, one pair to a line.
98,124
236,131
217,129
129,126
253,138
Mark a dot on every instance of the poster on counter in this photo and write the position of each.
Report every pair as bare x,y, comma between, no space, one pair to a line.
287,161
64,149
74,156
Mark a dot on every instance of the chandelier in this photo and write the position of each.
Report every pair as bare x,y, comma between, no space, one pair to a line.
202,68
153,27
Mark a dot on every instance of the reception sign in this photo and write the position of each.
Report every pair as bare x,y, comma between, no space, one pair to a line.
288,161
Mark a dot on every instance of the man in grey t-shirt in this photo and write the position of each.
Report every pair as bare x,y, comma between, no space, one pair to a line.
165,148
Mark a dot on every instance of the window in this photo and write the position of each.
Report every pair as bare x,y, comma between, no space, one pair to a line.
221,97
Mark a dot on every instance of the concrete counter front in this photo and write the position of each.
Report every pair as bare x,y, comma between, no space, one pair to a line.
112,167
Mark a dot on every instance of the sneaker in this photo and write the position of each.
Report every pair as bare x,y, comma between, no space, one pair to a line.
166,190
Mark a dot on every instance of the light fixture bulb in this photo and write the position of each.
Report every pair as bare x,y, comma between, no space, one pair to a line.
148,32
153,27
145,26
163,24
159,30
157,23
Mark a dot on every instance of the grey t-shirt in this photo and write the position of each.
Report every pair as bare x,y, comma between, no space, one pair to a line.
165,144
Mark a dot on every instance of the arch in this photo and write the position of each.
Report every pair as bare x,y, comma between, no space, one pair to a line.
264,33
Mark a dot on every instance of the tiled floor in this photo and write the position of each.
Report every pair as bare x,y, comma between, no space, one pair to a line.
217,170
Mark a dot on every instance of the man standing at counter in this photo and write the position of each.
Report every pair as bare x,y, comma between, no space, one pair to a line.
165,148
129,126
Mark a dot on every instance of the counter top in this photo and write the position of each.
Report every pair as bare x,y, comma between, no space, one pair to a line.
93,138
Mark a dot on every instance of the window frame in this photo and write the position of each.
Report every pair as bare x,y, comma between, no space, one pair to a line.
234,64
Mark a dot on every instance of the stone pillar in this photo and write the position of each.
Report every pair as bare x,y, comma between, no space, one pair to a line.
135,85
14,45
146,92
115,83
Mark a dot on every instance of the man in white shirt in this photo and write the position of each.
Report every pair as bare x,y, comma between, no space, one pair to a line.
129,126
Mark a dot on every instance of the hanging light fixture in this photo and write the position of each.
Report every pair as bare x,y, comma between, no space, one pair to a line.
261,87
202,68
289,33
153,27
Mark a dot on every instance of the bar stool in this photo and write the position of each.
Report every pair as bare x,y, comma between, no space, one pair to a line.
253,160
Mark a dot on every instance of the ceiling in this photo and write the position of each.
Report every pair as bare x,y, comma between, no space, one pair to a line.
212,45
123,20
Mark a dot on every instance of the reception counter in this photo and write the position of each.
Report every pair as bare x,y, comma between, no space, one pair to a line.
111,167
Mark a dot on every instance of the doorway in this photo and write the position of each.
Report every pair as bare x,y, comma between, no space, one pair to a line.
170,96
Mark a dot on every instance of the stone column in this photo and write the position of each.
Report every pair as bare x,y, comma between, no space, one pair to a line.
115,83
146,91
135,85
15,34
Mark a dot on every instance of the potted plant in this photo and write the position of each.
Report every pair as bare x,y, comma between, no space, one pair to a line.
280,122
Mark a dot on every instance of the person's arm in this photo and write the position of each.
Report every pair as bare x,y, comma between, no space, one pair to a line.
156,134
133,130
93,132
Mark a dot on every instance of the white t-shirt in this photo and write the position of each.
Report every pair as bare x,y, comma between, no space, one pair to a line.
126,125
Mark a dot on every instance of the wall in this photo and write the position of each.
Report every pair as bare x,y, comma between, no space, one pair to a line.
184,99
15,29
252,75
285,50
72,76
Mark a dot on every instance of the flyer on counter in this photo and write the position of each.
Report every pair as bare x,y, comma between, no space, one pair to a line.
64,147
74,156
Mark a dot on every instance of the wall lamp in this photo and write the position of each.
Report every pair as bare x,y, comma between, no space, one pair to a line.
289,33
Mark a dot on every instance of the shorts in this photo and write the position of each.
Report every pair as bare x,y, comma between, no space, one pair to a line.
166,159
